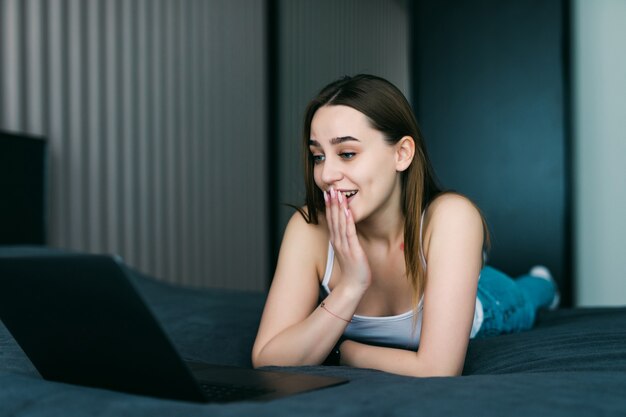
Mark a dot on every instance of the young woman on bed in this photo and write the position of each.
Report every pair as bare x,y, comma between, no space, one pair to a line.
399,262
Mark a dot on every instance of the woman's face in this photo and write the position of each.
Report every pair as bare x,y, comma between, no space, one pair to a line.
354,158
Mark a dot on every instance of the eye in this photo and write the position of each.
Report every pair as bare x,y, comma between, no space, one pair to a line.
347,155
317,159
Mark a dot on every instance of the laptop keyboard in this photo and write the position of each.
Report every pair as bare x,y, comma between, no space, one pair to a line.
226,393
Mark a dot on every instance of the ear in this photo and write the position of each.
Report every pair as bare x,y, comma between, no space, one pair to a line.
405,150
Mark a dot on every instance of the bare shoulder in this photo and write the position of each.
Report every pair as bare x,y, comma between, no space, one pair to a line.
453,213
298,227
305,242
452,205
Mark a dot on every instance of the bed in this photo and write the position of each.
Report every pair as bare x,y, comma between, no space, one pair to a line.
572,363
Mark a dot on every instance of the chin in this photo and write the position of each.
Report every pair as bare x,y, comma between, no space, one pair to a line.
355,215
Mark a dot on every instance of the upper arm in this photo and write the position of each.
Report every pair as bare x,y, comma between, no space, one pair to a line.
453,249
294,291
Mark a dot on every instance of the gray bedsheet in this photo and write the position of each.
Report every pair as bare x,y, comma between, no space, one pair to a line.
572,363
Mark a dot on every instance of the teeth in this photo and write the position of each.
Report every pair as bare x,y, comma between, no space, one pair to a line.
349,194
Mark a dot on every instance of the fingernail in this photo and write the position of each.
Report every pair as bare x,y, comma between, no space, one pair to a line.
332,192
340,196
325,196
345,209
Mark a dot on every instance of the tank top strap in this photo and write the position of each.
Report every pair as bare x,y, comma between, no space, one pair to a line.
422,257
330,258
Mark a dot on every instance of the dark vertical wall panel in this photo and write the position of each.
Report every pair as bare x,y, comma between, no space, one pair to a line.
319,41
489,93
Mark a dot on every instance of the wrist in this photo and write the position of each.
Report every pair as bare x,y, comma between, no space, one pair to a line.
351,291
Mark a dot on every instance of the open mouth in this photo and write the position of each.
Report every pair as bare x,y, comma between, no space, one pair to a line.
349,194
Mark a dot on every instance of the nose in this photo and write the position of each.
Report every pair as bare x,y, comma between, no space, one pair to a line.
331,172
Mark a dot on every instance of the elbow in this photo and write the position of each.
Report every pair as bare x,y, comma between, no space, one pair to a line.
445,370
259,362
261,358
257,359
255,362
255,356
437,367
277,354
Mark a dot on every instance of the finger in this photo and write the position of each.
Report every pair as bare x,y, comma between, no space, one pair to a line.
330,217
334,210
351,236
342,219
327,212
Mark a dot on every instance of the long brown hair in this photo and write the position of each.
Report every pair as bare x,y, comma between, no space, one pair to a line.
389,112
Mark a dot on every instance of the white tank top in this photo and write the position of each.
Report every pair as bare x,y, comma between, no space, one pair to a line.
400,331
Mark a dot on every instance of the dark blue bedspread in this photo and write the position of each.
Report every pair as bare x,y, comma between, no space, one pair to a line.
573,363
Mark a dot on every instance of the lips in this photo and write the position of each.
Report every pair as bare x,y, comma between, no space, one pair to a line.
348,194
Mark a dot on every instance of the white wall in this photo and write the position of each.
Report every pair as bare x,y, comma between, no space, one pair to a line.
600,151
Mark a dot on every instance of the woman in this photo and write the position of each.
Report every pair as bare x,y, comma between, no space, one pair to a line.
398,260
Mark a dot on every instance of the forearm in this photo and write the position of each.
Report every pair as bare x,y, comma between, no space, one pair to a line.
395,361
306,343
310,341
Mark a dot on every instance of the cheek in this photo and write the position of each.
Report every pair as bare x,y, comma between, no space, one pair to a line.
317,177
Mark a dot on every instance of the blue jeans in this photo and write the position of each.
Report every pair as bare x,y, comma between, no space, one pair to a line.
510,305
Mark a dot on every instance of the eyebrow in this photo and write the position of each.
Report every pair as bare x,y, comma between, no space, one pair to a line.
334,141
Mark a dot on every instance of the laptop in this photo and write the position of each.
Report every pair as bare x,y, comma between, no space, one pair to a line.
80,320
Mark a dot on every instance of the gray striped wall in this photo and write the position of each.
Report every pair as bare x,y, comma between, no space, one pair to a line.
156,115
156,124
